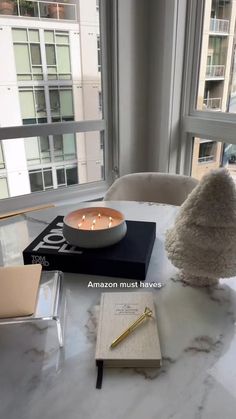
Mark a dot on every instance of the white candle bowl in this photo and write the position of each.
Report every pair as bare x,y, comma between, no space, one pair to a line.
94,227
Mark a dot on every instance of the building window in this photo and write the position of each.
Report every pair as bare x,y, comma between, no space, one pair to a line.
61,104
206,151
3,188
37,150
210,104
67,175
50,74
2,163
64,147
27,54
33,105
57,55
99,52
40,180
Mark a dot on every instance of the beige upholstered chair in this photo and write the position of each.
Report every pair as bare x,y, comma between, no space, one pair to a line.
151,187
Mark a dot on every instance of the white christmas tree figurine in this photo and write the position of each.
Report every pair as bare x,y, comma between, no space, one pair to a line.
202,243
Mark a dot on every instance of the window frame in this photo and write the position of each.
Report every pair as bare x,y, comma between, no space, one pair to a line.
108,125
198,123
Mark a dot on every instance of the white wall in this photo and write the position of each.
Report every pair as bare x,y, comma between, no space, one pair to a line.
149,92
133,55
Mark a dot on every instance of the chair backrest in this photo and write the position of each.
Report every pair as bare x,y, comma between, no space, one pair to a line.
151,187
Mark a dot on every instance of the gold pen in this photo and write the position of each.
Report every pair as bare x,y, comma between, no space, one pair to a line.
146,314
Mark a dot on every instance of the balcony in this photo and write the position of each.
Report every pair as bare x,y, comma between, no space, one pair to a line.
206,159
219,26
38,9
212,104
215,72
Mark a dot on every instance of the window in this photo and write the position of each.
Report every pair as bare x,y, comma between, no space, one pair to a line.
32,105
61,104
209,102
206,151
2,163
57,96
3,188
37,150
40,180
57,55
99,53
27,54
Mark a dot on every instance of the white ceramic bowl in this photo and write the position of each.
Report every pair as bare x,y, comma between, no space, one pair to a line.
79,228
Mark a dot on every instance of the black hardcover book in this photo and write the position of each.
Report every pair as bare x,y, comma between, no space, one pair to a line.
127,259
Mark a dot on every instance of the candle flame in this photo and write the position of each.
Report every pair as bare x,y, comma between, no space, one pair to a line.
111,219
99,215
80,224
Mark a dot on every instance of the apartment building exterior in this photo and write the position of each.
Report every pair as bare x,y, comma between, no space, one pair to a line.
217,81
51,72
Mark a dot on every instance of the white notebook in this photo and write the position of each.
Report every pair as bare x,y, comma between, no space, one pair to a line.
141,348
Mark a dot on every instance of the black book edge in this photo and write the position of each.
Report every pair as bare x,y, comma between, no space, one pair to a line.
55,261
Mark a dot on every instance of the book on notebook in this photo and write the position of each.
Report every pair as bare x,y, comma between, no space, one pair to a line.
141,348
127,259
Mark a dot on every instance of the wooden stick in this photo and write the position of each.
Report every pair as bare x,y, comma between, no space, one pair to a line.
23,210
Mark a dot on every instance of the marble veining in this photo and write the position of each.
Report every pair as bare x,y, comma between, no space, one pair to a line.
197,332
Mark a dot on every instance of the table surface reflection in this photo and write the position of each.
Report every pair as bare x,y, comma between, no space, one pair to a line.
197,334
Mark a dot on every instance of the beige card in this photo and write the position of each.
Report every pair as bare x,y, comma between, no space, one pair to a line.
18,290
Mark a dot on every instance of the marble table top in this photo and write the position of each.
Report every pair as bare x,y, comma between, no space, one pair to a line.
197,334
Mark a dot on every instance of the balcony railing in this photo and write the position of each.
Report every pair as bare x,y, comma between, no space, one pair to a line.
213,103
215,71
38,9
219,26
206,159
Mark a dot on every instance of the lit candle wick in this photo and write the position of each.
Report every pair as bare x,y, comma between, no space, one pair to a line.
110,218
99,215
80,224
93,224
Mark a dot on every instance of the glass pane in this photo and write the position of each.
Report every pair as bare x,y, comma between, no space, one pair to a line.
54,102
33,35
37,70
3,188
23,77
36,181
66,102
49,36
72,175
2,164
40,103
217,75
63,59
50,55
58,143
22,58
79,155
209,155
62,39
44,144
32,150
35,54
27,104
69,145
61,180
19,35
52,70
47,174
52,44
